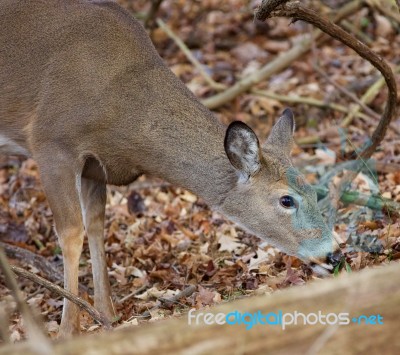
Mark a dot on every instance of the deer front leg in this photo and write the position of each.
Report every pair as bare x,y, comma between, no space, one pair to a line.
61,185
93,199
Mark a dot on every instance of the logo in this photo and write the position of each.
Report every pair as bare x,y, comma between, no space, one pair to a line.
249,320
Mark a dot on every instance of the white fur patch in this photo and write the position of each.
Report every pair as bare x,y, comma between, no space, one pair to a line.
78,185
322,270
8,146
250,160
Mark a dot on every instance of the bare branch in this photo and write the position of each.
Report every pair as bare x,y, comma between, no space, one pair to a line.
297,11
96,315
266,7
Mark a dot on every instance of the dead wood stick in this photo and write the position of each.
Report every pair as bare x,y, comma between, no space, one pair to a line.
96,315
368,97
322,104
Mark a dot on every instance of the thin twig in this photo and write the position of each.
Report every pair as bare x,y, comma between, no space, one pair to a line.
363,36
381,167
34,329
346,92
210,81
363,102
370,94
368,97
313,102
96,315
307,101
186,292
132,294
373,201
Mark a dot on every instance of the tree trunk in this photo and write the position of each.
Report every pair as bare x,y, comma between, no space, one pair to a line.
368,292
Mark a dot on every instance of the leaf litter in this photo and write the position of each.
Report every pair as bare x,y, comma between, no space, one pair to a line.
159,238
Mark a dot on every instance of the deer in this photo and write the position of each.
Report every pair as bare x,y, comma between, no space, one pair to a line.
84,93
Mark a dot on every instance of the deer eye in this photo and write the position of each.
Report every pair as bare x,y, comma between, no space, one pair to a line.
288,202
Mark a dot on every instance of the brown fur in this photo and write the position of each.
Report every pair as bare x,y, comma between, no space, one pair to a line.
84,92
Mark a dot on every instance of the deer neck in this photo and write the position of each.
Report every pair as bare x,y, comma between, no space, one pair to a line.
173,135
198,161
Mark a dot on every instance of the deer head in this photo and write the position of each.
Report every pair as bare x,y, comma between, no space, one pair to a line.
274,198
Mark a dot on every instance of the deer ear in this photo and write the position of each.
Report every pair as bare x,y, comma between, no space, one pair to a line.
281,135
243,149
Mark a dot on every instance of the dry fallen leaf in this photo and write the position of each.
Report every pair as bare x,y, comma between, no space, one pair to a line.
228,243
205,297
262,257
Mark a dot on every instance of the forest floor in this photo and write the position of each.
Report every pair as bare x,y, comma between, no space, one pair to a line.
160,238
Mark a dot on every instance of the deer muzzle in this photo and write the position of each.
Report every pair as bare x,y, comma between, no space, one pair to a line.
326,266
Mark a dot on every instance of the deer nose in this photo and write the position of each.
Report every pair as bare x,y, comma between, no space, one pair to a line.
334,258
